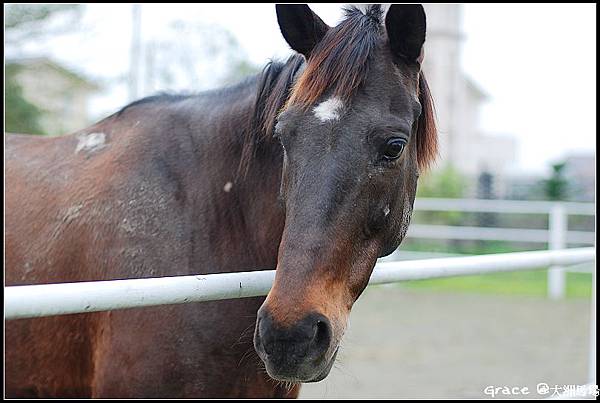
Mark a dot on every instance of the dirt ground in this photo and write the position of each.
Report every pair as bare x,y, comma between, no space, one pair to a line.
416,344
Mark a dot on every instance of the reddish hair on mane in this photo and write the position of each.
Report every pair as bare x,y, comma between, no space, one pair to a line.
340,60
427,137
339,63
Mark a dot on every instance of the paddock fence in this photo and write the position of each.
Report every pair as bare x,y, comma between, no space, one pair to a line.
33,301
29,301
557,236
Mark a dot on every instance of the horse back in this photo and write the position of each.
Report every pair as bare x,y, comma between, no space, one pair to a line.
136,195
73,213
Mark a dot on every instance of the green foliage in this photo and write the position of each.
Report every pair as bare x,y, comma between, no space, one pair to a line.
528,283
556,187
239,70
22,23
445,183
20,14
21,116
466,247
27,21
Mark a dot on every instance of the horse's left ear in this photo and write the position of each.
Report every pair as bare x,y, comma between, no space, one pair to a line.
300,26
405,25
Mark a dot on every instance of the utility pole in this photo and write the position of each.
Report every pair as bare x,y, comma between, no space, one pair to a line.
135,52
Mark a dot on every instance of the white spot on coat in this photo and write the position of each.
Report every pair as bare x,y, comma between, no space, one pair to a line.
329,110
91,142
228,186
386,210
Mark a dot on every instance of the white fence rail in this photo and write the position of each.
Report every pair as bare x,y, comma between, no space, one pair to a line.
31,301
556,236
494,234
502,206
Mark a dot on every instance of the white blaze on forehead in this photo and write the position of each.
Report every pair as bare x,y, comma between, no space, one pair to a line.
228,186
91,142
329,110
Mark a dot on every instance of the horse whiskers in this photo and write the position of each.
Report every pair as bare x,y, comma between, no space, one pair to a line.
247,354
245,333
340,366
290,385
287,385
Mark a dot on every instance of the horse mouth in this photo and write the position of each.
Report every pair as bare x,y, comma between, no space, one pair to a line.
323,374
303,375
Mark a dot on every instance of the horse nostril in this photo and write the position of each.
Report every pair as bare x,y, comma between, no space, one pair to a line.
262,335
322,335
309,337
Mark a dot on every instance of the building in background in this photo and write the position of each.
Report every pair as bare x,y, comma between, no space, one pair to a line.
458,101
63,95
580,169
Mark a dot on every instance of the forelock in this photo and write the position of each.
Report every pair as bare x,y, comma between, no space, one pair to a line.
339,64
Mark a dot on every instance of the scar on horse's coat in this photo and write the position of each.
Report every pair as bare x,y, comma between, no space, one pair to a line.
72,213
91,142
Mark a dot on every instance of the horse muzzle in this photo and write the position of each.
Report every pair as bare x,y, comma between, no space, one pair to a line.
295,353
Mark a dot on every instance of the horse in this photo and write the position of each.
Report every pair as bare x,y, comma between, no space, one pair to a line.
310,166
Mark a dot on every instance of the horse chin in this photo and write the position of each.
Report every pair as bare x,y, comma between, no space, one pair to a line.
323,374
306,378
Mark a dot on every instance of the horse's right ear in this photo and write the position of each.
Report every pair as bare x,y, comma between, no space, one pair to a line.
300,26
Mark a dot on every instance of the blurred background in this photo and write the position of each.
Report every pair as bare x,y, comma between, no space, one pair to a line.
515,94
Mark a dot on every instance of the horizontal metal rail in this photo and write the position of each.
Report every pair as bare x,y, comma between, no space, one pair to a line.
501,206
31,301
557,236
431,231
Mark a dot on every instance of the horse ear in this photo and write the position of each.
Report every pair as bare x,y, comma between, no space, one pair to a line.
300,26
405,25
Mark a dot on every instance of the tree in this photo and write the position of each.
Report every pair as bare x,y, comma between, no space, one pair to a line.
194,56
446,183
556,187
22,23
31,21
21,116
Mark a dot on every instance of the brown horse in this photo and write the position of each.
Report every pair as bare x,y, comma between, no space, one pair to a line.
310,167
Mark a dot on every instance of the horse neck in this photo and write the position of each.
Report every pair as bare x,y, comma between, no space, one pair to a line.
244,218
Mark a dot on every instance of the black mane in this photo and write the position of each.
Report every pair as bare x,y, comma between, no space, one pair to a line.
157,98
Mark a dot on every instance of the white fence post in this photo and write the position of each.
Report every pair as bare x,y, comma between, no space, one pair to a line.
592,361
558,230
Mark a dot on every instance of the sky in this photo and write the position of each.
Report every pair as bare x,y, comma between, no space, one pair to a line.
537,62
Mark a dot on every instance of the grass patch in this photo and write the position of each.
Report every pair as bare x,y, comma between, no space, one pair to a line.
524,283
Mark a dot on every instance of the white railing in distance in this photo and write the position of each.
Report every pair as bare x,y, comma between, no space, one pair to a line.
31,301
556,236
501,206
435,231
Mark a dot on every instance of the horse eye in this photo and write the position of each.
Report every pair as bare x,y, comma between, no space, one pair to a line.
393,148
